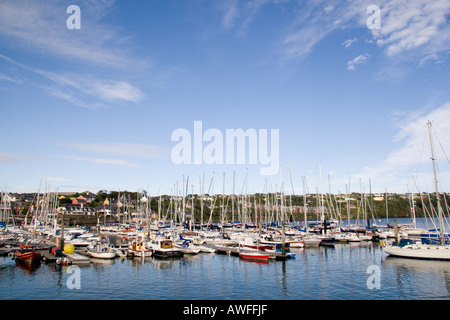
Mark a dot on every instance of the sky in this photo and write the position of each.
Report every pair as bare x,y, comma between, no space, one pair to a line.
90,100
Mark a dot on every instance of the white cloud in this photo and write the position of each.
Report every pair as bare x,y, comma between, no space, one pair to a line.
414,25
57,179
15,158
413,153
40,26
239,14
347,43
361,59
10,79
104,161
135,150
118,90
231,13
81,89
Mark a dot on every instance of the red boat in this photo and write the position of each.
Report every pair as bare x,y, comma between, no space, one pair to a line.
254,255
28,257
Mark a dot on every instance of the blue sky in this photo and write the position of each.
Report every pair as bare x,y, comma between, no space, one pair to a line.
95,108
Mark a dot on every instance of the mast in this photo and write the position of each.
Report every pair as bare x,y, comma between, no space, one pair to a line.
232,201
223,202
348,205
433,158
305,208
159,206
411,200
192,221
322,207
202,189
387,208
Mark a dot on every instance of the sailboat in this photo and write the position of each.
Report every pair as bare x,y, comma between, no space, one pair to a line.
411,249
100,250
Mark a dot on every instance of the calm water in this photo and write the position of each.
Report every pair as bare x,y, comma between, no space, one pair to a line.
327,273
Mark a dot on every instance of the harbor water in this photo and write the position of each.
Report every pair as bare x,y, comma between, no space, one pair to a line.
359,271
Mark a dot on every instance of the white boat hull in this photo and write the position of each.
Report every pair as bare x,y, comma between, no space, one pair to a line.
102,255
187,250
206,249
141,253
420,251
311,242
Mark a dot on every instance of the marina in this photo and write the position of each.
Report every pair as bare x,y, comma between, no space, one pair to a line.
216,151
340,270
317,273
262,235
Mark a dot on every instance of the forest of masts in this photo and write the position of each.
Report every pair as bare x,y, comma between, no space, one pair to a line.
185,206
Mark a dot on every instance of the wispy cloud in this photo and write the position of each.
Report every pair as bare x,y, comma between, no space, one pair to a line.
239,14
347,43
57,179
117,154
231,12
132,150
40,26
117,90
312,24
413,153
359,60
104,161
414,30
80,89
5,77
414,26
15,158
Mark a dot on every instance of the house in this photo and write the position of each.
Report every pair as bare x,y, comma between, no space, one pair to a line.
18,206
105,210
79,200
74,208
90,197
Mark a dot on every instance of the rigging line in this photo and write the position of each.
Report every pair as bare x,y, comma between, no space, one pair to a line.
437,138
421,153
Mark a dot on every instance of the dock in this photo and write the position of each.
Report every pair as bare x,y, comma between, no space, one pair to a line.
47,257
234,251
77,258
74,258
220,249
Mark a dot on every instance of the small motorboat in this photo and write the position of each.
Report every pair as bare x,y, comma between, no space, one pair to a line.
164,248
138,248
205,249
254,255
187,247
27,256
100,251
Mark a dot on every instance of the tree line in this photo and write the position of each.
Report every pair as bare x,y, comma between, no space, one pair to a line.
292,206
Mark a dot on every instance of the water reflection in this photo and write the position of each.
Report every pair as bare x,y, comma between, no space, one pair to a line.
263,262
28,268
338,272
430,278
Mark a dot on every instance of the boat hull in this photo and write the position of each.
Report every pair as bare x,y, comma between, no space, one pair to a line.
141,253
29,258
102,255
254,256
415,251
167,253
